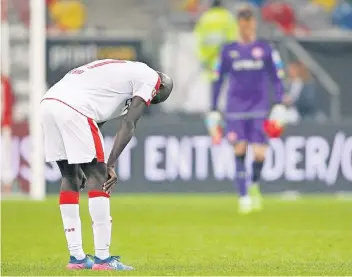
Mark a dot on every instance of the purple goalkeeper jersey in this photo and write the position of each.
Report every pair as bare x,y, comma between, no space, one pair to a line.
249,68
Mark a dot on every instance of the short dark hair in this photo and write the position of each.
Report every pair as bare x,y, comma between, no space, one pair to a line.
216,3
245,13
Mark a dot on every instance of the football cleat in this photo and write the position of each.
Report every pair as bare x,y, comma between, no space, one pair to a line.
86,263
256,196
111,263
245,205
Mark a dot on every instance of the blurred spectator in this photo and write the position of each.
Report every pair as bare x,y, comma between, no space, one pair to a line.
68,15
215,27
192,6
328,5
342,16
257,3
283,16
280,14
302,90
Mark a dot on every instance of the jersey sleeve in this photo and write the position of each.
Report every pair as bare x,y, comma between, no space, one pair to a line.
147,86
276,73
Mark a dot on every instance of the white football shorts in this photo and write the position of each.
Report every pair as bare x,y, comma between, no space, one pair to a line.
69,135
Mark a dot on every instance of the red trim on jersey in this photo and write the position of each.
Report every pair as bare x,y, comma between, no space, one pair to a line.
104,63
94,129
155,91
97,193
69,197
64,104
97,141
157,86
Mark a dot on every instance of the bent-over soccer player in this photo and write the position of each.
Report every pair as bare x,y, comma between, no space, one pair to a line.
250,64
71,112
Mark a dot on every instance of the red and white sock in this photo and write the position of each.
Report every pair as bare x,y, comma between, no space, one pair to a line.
69,207
99,209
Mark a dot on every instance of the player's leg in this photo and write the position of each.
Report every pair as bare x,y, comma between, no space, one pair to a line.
257,166
51,113
245,202
99,209
72,179
236,131
259,145
84,145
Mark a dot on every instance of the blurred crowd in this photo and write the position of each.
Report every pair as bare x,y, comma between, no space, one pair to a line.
296,17
292,16
301,93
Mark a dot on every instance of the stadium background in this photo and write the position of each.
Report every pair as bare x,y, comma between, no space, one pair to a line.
161,34
195,230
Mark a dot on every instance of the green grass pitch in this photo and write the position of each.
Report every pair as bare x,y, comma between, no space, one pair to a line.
188,235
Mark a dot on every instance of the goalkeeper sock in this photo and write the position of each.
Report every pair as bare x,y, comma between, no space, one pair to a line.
99,209
241,176
257,171
69,207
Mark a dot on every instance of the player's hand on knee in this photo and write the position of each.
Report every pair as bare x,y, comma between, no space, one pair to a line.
84,182
111,181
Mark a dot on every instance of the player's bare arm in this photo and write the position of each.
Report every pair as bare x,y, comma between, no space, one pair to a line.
123,137
126,132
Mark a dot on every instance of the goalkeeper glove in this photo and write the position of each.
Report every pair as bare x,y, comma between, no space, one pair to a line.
275,124
214,124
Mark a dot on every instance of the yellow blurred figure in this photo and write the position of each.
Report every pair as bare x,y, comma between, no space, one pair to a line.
215,27
68,14
328,5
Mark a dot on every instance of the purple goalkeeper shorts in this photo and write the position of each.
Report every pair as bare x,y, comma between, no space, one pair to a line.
249,130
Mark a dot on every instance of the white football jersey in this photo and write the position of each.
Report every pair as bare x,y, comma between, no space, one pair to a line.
103,89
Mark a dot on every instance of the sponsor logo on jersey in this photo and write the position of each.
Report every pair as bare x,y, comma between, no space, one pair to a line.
154,93
234,54
257,52
248,65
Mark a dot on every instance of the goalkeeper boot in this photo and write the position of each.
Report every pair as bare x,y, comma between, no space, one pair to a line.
245,205
256,196
111,263
85,263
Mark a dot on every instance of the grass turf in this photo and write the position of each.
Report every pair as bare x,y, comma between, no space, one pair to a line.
188,235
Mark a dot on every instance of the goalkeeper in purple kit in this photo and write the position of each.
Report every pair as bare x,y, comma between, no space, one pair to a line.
250,65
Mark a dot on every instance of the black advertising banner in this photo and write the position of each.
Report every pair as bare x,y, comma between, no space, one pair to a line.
177,156
64,54
174,154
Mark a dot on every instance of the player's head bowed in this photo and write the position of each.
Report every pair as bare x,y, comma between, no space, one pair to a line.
166,85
